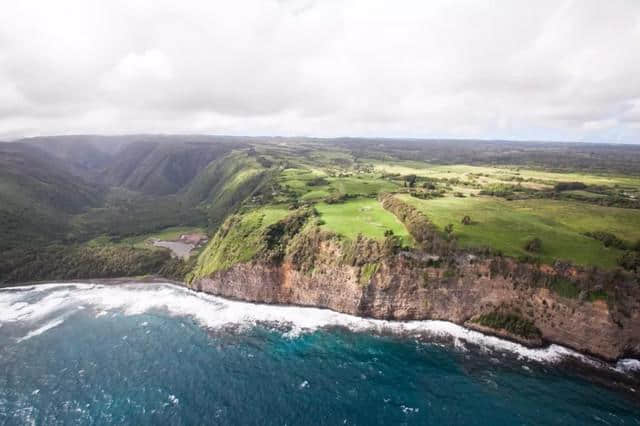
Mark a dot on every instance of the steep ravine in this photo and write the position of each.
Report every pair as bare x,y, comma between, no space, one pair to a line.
398,290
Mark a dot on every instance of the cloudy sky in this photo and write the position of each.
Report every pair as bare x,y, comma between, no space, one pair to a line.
535,70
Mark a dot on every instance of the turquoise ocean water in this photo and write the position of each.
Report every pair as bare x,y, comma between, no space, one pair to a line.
159,354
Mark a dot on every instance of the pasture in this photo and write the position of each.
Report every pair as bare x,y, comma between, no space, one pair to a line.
361,216
508,225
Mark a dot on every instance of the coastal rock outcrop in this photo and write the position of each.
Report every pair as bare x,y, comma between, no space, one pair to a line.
400,288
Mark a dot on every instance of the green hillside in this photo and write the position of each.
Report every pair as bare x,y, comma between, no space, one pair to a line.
59,196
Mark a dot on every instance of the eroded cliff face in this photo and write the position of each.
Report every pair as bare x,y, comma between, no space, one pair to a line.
399,290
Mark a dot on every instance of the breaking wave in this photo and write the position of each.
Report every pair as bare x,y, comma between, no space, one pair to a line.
51,303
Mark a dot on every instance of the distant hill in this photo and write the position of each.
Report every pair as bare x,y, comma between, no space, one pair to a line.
56,188
31,176
38,193
158,168
151,164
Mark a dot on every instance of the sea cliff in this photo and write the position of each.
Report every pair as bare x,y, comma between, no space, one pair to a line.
401,287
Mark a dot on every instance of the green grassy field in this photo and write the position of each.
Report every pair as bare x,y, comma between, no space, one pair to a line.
508,225
240,243
361,185
500,224
361,216
496,174
298,180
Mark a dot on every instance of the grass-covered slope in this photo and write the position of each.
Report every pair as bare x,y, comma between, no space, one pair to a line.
141,185
38,195
237,241
315,184
29,177
225,184
509,225
361,216
160,168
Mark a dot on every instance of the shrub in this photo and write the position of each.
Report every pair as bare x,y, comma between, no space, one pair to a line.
317,181
630,261
449,273
423,231
429,185
534,245
525,258
568,186
499,190
410,180
608,239
277,235
565,288
510,322
367,272
337,198
594,295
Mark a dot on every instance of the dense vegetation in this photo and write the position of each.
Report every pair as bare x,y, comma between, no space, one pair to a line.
98,200
70,262
510,322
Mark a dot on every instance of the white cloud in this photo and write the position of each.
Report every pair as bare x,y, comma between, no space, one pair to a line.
492,69
152,64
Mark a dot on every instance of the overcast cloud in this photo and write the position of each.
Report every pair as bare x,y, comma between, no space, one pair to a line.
555,70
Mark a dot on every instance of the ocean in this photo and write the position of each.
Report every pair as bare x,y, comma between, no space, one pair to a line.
154,353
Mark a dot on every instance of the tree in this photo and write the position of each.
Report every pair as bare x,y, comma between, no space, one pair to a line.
630,260
428,185
449,230
410,180
391,245
567,186
534,245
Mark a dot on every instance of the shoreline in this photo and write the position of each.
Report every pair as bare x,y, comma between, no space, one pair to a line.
151,279
155,279
585,366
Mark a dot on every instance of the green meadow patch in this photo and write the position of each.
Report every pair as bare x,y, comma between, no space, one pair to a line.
315,185
366,185
509,225
361,216
501,173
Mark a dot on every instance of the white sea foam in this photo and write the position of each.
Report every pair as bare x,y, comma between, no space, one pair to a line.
214,312
628,365
409,410
48,326
16,310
